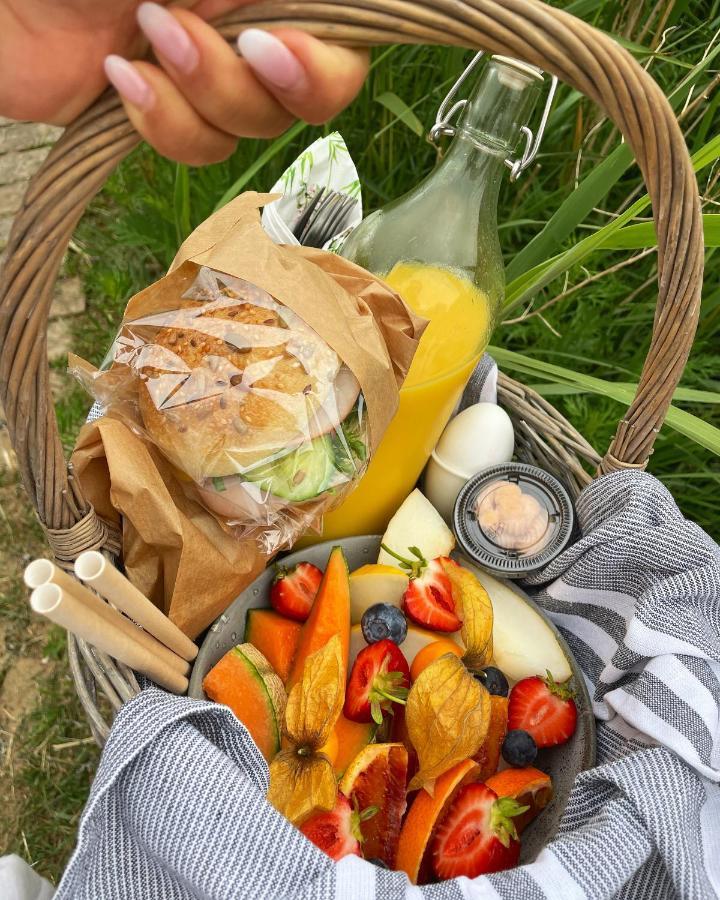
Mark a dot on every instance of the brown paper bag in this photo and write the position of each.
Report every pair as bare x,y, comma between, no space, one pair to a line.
175,551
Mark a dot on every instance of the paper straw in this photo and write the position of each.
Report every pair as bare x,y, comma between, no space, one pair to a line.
44,571
64,608
92,568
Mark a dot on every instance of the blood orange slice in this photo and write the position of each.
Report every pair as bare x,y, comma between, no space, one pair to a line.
529,786
377,778
425,814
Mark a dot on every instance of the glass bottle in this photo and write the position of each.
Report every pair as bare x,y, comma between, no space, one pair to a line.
438,247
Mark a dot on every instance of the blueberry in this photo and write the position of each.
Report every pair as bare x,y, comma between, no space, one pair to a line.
494,680
380,863
383,620
519,748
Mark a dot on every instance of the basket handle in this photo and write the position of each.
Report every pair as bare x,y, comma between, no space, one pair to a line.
549,38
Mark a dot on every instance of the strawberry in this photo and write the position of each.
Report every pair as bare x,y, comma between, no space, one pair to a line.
338,832
477,835
380,677
428,600
543,708
293,590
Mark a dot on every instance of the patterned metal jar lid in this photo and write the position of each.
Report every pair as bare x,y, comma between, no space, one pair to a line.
512,519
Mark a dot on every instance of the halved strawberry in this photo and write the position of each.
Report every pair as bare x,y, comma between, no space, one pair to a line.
428,600
339,831
543,708
380,677
293,590
478,835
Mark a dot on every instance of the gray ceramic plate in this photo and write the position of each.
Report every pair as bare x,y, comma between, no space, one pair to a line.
561,763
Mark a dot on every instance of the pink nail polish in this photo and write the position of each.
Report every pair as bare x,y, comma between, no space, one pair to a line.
168,37
128,82
271,59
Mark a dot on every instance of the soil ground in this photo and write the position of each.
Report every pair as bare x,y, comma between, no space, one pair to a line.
47,755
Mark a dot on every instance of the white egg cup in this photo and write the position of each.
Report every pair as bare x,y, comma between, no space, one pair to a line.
478,437
442,484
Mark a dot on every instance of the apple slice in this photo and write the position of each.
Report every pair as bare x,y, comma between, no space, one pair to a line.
417,524
523,644
373,584
416,639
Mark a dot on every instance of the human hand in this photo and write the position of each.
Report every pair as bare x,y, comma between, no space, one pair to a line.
199,97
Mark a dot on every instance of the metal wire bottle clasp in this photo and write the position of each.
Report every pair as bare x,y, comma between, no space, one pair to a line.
450,107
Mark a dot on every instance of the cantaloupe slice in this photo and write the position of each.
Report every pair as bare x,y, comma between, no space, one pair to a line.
245,681
351,737
425,815
330,615
274,636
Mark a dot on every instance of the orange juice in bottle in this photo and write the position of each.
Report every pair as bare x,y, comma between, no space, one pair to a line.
438,248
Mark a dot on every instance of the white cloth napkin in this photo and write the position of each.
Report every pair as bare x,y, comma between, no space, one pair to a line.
18,881
325,164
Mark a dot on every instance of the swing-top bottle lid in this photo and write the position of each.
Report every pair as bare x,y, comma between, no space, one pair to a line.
521,66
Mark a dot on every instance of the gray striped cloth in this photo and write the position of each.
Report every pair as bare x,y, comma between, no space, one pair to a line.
178,807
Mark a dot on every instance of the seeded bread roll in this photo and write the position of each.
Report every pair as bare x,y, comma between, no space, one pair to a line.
237,379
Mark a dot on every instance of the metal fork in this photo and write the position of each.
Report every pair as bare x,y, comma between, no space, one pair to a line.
327,214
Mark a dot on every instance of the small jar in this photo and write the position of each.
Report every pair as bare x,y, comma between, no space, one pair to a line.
513,519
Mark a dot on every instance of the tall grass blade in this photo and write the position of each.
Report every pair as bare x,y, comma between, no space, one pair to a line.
592,189
637,237
572,211
252,170
181,203
523,289
399,108
685,423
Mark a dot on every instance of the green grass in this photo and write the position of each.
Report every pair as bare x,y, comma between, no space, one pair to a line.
602,330
58,764
48,762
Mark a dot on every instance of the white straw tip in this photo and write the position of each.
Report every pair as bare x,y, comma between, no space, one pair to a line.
45,599
89,565
37,573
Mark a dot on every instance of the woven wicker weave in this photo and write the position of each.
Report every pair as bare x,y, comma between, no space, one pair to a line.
94,144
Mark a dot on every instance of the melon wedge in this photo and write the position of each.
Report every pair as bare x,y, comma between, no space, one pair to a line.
425,815
416,524
274,636
523,643
245,681
330,615
373,584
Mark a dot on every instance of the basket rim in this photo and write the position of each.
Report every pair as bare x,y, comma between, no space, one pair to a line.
550,38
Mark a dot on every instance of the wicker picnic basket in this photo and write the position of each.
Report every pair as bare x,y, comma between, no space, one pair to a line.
95,143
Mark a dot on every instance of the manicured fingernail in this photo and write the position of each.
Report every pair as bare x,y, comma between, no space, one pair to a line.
168,37
128,82
271,59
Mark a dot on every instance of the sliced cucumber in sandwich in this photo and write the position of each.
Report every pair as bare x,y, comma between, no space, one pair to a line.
300,475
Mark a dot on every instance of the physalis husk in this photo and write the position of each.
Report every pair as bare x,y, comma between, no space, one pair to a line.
447,716
474,607
302,779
